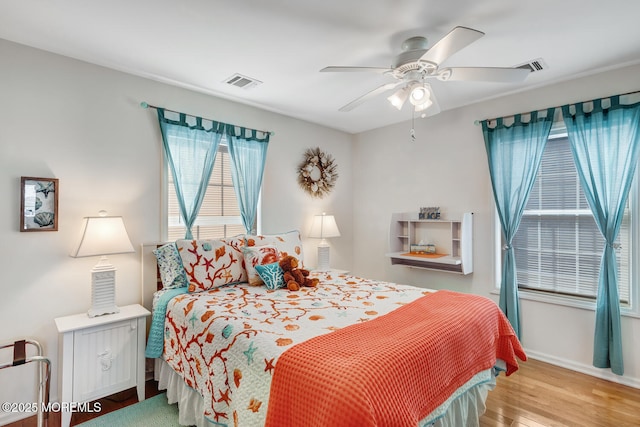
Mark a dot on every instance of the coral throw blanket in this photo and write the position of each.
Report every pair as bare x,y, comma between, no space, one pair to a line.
393,370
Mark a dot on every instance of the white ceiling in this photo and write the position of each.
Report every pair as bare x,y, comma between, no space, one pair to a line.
198,44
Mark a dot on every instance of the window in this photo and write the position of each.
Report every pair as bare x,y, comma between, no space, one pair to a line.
558,246
219,214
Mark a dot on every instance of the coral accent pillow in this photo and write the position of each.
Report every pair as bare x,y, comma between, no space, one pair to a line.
287,243
210,264
258,255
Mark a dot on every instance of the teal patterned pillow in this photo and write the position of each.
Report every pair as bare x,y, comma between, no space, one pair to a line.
272,275
170,266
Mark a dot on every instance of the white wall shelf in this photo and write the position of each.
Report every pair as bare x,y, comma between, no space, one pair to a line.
453,239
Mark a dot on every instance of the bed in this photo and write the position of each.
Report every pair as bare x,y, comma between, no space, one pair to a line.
350,351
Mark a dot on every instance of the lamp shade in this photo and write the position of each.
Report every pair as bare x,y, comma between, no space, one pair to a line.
103,235
324,226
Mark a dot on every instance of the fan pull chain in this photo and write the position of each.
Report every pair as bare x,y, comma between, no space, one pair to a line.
412,132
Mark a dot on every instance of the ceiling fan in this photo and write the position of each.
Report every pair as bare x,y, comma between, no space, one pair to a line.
416,64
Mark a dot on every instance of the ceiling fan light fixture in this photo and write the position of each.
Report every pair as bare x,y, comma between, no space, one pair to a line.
423,106
420,94
399,97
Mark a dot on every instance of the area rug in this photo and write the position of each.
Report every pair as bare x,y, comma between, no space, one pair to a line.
154,411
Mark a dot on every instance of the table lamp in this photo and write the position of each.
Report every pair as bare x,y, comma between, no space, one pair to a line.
101,236
324,226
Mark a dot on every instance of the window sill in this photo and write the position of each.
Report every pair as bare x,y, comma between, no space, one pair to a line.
565,301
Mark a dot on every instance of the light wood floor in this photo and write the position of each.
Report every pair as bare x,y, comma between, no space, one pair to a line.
537,395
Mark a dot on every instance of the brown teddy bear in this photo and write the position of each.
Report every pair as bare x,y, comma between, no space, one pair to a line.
295,277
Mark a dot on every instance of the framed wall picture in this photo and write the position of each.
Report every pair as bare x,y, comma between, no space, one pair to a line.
38,204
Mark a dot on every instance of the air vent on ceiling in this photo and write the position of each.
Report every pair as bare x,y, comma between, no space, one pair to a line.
241,81
534,65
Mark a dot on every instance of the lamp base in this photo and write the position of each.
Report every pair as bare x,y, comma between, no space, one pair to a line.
103,289
323,257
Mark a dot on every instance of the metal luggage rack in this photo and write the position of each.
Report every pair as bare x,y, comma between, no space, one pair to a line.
44,373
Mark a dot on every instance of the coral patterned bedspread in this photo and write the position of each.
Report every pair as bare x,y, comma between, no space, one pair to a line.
226,342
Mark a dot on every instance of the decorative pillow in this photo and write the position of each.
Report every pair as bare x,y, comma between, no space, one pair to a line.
287,243
170,266
258,255
272,275
237,243
210,263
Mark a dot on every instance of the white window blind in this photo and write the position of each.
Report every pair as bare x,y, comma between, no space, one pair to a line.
558,247
219,215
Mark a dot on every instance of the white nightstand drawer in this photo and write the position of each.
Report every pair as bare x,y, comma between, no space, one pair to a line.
104,360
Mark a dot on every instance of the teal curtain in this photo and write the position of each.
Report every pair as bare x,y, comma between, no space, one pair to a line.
514,153
605,143
191,150
248,154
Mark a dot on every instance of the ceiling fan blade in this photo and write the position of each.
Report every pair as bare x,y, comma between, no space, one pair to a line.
486,74
454,41
354,69
358,101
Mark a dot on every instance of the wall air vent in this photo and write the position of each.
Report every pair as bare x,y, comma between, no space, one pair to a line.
534,65
243,82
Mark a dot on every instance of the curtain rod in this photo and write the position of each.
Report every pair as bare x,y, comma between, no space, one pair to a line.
477,122
146,105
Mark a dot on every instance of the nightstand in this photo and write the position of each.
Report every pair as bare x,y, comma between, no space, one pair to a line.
101,355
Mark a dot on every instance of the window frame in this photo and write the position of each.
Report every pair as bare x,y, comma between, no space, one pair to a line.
630,310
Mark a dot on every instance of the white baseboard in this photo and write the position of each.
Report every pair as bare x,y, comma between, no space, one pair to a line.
604,374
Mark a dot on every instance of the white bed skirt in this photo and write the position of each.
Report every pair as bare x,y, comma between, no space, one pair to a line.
462,409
